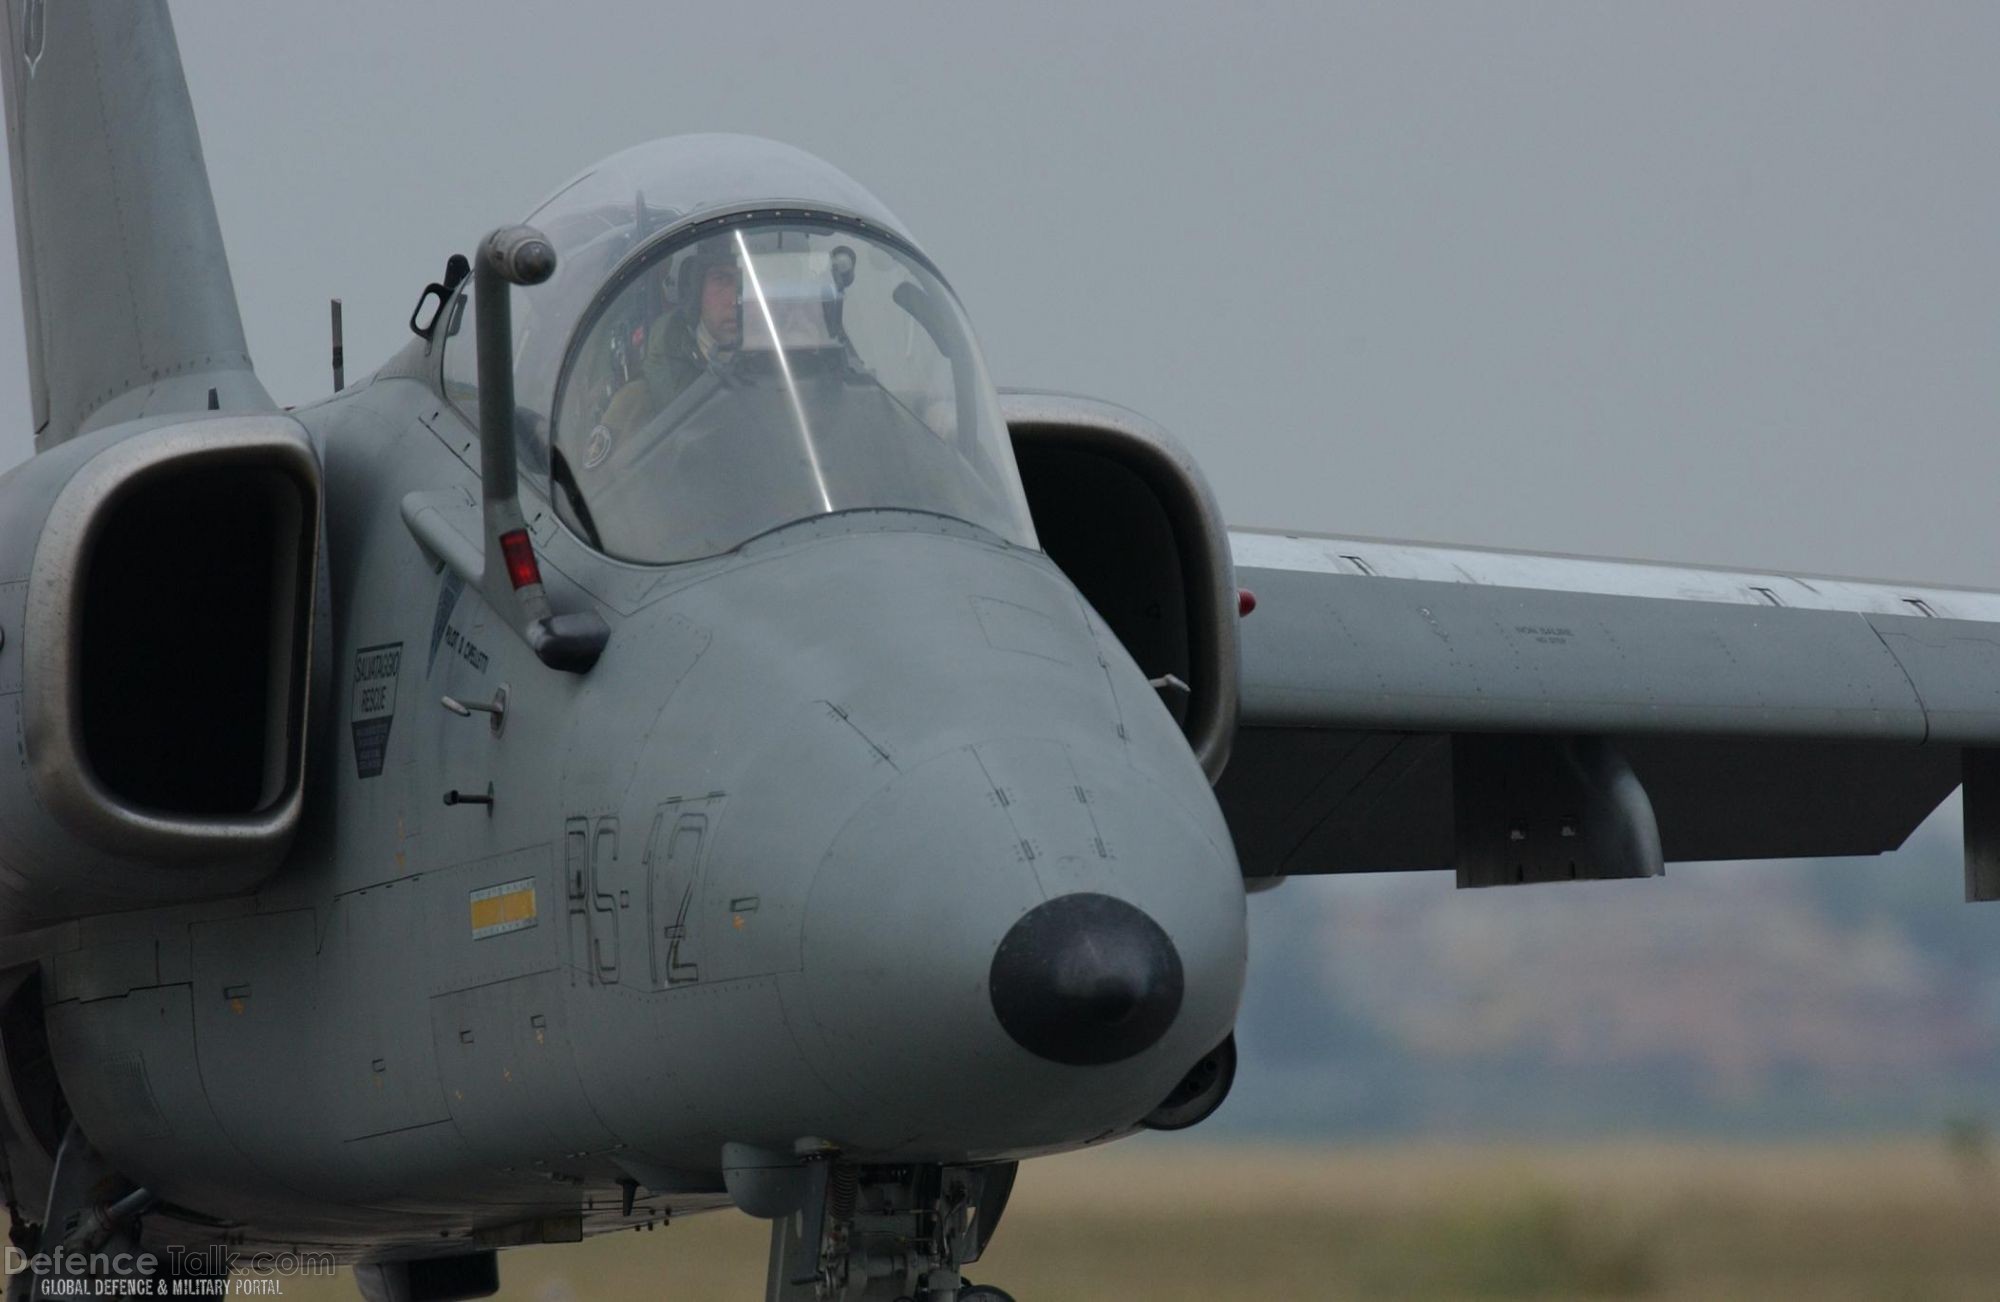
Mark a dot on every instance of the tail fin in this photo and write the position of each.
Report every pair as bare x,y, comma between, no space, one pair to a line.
130,310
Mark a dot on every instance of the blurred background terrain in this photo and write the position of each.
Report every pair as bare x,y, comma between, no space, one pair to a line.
1804,999
1196,1223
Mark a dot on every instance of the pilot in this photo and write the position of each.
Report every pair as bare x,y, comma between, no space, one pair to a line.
700,334
841,264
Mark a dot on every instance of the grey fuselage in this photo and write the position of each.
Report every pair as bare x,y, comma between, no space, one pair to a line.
742,882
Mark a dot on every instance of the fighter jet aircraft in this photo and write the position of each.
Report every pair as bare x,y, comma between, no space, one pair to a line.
678,737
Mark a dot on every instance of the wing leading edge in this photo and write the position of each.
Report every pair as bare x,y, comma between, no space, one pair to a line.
1524,717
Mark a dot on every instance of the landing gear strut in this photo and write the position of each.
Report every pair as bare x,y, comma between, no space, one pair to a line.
93,1221
870,1233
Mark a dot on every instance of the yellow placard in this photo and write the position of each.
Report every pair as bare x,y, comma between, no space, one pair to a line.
507,907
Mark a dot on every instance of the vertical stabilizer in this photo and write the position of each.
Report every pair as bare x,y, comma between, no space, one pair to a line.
130,310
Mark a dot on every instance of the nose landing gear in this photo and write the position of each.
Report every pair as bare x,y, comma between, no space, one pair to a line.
883,1233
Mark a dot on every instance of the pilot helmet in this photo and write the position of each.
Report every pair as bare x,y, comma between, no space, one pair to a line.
706,255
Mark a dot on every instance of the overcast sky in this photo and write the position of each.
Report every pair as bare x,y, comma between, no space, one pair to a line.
1706,282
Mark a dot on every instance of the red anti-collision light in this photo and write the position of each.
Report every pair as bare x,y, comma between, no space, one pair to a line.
520,554
1246,601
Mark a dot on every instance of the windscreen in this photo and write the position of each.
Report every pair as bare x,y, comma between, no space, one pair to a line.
768,371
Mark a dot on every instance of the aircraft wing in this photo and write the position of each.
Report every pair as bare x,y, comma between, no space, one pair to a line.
1529,718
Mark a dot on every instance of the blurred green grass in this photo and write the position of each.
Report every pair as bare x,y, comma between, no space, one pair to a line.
1167,1221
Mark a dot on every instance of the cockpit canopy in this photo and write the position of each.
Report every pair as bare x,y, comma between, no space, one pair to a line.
700,370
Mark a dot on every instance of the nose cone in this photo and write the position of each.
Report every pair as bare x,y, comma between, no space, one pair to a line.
1086,979
1017,945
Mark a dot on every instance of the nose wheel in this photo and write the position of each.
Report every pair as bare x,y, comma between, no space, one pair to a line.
966,1292
889,1234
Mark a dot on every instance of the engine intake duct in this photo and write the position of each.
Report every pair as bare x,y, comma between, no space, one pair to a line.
1126,513
194,722
162,669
